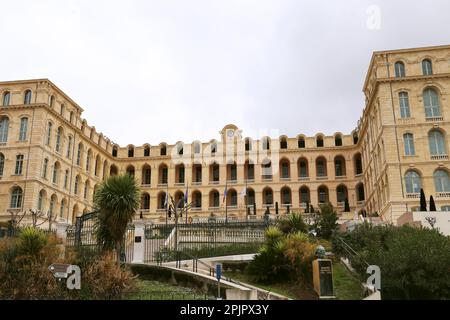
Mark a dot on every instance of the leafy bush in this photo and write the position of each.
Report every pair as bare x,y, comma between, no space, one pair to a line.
326,222
283,257
414,262
292,223
24,273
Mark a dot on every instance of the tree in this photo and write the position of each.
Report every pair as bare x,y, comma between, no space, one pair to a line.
346,206
292,223
432,204
326,224
116,201
423,201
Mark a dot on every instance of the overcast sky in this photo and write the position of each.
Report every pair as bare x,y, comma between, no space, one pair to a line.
153,71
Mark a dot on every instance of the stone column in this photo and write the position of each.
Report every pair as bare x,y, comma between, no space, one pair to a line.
139,238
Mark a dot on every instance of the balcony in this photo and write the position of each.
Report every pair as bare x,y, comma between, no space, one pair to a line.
434,119
179,184
214,182
413,195
440,157
285,179
232,207
162,185
443,195
145,185
266,178
214,208
303,178
196,183
232,181
341,177
251,180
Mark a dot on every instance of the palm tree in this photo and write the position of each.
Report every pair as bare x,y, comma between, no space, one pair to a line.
116,201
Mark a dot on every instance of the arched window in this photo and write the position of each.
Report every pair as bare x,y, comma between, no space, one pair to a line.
338,141
180,149
265,143
436,141
431,103
267,196
249,170
145,202
56,167
180,174
322,194
162,200
250,198
339,166
23,129
130,152
130,171
49,133
51,101
163,174
197,148
301,143
360,195
404,105
285,166
97,165
341,193
71,117
213,147
2,164
321,167
76,185
232,172
286,198
319,142
63,109
266,169
113,171
400,69
79,154
16,198
214,199
6,98
232,198
19,164
197,173
427,67
283,143
197,199
44,168
88,160
355,138
408,141
4,127
146,175
214,173
358,164
248,145
304,195
66,179
303,171
52,206
413,182
41,201
62,208
58,139
441,181
86,190
114,152
27,97
163,150
146,151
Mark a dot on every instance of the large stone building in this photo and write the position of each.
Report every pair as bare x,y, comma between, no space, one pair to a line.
52,161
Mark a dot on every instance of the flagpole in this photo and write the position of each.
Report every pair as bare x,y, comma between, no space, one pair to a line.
226,198
246,197
167,204
186,197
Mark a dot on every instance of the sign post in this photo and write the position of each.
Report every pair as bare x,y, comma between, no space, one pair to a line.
218,276
69,272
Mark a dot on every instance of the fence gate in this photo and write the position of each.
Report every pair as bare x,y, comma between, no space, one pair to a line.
82,236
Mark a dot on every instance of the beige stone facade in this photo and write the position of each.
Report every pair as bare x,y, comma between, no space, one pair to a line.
54,160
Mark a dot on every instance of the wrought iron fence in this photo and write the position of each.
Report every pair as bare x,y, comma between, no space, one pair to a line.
166,242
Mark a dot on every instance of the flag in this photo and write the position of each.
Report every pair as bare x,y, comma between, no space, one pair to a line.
186,195
225,193
166,201
244,192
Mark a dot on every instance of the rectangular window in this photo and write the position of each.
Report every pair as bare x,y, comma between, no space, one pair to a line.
44,169
19,164
79,156
66,179
251,172
409,145
404,105
69,147
49,134
198,174
303,170
164,176
23,129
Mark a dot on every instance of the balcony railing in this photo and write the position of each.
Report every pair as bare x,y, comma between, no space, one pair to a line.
214,208
443,195
440,157
214,182
179,184
146,185
196,183
266,178
285,179
413,195
303,178
341,177
322,177
161,185
434,119
232,181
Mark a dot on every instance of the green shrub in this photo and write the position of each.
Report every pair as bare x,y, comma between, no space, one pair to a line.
292,223
326,224
414,262
32,241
